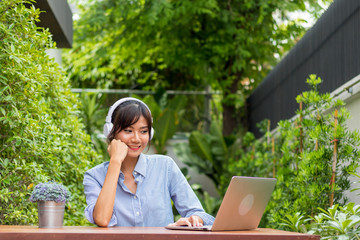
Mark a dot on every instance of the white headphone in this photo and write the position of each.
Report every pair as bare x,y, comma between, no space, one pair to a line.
108,124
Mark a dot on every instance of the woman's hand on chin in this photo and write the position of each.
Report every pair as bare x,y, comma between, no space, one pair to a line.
117,151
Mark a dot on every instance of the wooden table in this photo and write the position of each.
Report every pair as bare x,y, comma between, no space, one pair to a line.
144,233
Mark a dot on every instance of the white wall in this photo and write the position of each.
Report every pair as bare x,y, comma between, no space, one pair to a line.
352,100
56,54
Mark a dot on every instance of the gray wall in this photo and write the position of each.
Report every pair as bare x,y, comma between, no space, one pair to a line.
329,49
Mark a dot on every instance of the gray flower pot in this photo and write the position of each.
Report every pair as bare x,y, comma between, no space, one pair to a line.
51,214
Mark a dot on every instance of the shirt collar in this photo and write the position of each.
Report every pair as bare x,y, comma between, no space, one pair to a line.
141,165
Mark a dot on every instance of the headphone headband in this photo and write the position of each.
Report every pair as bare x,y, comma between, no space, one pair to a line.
109,125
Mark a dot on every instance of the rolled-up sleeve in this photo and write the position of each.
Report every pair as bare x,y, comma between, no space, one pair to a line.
92,189
184,198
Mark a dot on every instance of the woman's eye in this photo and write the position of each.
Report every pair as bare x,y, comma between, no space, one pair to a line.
144,132
127,130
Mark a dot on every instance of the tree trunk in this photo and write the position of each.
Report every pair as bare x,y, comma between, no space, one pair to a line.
231,116
229,121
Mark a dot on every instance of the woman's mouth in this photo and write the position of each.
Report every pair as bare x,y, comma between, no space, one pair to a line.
134,148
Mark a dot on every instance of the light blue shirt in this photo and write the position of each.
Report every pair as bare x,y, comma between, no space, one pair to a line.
159,180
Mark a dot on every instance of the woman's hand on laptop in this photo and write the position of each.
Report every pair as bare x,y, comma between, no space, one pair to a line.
192,221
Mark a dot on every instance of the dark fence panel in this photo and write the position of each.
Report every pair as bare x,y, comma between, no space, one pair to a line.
330,49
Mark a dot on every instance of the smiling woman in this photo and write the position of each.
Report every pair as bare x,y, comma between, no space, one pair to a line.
134,189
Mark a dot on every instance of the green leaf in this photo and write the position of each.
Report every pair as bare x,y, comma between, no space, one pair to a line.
199,145
165,127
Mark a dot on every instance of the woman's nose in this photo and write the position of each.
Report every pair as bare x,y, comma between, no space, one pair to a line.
136,136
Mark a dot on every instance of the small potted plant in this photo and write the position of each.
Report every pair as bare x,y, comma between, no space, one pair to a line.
51,198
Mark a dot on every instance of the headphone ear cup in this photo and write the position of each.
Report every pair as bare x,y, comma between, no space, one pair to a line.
107,129
152,133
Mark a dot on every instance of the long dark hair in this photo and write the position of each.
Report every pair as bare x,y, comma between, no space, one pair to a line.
126,114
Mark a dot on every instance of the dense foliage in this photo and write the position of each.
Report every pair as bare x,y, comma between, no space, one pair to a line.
311,156
314,155
184,45
335,223
40,133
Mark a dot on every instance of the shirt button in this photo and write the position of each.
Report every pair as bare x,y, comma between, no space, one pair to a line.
137,213
134,197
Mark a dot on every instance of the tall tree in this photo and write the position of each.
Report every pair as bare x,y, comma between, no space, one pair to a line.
183,44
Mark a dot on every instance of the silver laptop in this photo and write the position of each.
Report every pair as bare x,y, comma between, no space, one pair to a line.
243,205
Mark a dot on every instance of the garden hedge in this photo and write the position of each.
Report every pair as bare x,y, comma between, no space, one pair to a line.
42,137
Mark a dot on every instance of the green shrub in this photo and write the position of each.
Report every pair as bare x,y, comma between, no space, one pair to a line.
304,157
335,223
41,136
